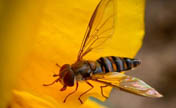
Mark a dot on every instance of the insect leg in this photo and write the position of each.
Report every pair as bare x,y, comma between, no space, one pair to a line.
85,91
71,92
52,82
102,91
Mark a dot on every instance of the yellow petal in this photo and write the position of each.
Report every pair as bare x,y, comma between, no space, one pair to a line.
43,33
22,99
92,104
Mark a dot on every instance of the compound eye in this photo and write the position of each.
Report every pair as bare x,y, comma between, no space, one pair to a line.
67,75
69,78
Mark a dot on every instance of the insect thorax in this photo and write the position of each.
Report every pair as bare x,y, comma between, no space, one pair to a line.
82,70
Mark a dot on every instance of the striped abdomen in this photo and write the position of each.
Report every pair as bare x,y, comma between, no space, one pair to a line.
116,64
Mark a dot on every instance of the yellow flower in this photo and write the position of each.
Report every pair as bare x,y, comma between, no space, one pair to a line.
37,34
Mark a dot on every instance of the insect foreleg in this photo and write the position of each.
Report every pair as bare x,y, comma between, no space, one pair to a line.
52,82
102,91
71,92
85,91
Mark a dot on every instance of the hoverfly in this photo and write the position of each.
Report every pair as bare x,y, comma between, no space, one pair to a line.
105,70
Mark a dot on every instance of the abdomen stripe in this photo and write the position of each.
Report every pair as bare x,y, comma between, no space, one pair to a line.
117,64
103,64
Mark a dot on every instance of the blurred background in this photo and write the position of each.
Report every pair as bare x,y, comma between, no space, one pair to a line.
158,55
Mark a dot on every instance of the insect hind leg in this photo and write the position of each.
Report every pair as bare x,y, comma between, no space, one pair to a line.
102,91
85,91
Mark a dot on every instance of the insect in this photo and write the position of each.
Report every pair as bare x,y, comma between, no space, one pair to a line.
105,70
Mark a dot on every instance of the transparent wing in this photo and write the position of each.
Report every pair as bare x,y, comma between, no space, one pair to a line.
127,83
100,27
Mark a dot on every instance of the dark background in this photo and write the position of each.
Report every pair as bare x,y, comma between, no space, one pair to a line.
158,55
